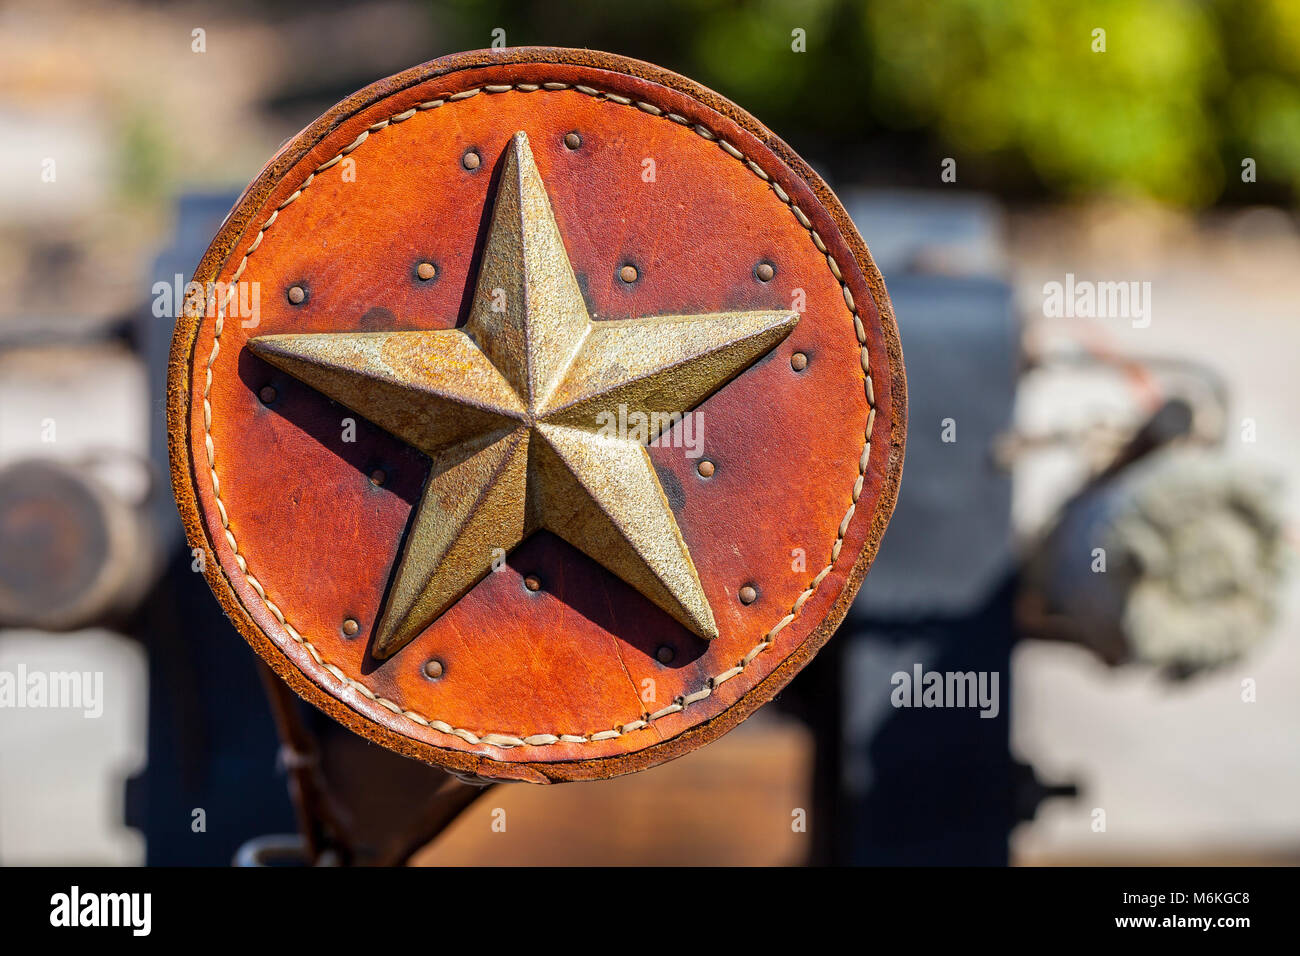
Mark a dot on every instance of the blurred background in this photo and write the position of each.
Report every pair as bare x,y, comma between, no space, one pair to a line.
1101,489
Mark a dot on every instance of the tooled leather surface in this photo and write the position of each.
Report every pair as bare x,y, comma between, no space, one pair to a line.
574,657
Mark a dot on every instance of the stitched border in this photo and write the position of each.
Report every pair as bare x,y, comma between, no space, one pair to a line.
506,740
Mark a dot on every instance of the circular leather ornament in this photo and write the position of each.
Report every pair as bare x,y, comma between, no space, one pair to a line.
538,413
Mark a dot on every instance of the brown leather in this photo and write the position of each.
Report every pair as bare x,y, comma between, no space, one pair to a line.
320,538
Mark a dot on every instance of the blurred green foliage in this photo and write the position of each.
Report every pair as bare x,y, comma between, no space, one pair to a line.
1123,109
144,155
1016,90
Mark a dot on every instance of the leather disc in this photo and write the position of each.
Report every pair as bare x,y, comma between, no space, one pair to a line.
538,413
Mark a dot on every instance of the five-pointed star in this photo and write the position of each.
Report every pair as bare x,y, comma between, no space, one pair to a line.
508,409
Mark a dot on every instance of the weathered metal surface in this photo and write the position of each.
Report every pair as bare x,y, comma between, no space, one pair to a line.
622,283
515,412
1171,557
74,554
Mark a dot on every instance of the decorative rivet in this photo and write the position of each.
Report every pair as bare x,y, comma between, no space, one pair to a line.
350,627
426,271
798,361
471,159
705,468
533,582
665,654
765,272
628,274
267,394
433,669
572,140
378,477
748,595
297,295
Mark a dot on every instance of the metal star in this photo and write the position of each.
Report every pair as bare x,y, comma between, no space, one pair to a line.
514,411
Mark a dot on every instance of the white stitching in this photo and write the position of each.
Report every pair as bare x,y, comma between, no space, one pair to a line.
547,739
